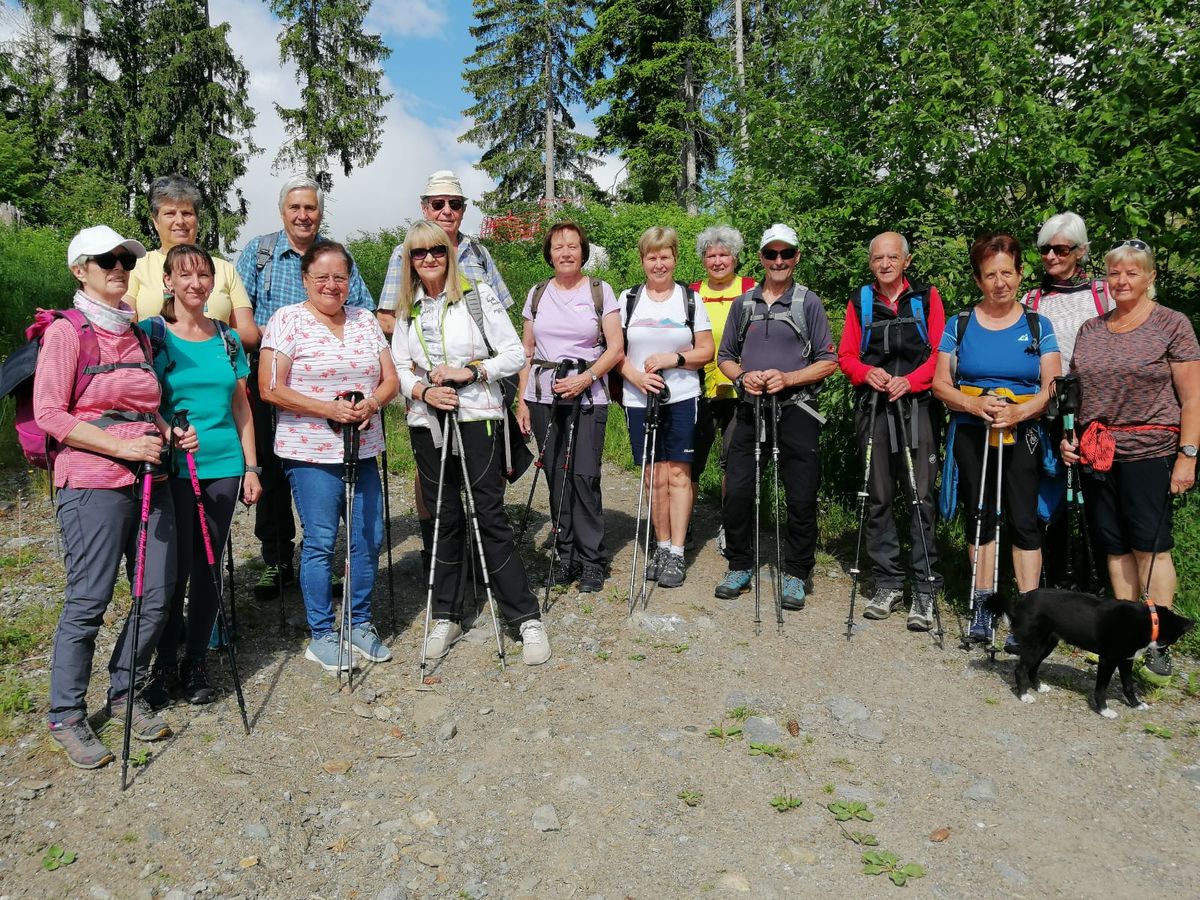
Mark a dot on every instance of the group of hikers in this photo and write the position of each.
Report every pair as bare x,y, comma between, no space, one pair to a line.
180,385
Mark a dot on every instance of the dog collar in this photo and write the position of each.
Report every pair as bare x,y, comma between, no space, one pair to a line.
1153,620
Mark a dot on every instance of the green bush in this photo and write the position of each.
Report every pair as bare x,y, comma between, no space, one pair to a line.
371,252
33,273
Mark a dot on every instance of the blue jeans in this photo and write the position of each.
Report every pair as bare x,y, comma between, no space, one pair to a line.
320,499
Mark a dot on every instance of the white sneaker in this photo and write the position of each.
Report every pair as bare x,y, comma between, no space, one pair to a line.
536,643
444,634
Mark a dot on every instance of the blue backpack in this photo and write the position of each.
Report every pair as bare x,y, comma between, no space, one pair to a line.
866,300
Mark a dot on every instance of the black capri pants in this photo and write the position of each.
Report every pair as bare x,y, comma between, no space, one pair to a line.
1129,506
1022,473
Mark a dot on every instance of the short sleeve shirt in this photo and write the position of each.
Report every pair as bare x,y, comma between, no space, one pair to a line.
1125,379
566,327
717,304
322,368
660,326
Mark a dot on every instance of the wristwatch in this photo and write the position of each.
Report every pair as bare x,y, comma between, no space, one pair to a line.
1188,450
680,362
737,383
253,470
594,376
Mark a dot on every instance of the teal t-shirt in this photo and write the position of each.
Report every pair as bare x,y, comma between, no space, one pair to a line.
197,376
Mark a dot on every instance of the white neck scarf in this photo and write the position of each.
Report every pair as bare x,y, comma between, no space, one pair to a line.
117,319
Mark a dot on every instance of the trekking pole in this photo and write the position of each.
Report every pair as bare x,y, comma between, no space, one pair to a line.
567,470
437,527
214,569
387,520
775,492
653,413
286,487
863,494
560,371
146,472
991,648
758,439
908,449
232,589
637,522
478,540
351,438
987,443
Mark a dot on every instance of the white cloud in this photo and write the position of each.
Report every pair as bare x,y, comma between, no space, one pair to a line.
408,18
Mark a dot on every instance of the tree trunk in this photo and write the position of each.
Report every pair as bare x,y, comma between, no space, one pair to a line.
548,93
688,191
739,58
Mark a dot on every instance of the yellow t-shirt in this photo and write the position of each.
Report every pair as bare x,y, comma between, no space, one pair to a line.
146,288
717,304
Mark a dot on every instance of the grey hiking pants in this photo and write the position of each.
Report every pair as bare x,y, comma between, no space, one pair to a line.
99,528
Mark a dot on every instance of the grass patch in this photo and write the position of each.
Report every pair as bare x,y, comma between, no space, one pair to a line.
31,629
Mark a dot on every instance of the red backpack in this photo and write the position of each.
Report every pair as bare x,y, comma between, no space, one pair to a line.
16,378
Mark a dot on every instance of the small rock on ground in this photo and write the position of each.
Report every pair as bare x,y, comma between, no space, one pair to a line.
982,791
762,730
734,881
846,711
545,818
447,732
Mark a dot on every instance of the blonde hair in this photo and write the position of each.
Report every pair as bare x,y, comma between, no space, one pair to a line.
658,238
1126,250
425,234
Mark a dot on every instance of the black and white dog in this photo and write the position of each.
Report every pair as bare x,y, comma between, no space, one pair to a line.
1115,630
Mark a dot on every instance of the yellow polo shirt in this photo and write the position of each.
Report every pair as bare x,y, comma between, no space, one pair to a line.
146,288
717,304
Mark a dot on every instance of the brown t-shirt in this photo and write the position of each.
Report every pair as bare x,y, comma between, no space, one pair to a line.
1125,379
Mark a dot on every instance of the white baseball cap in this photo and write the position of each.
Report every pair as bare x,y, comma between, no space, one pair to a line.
443,183
778,232
101,239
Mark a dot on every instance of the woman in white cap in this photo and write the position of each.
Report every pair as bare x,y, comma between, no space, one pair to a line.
105,425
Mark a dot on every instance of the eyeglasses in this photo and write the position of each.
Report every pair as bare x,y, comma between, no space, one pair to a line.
457,204
438,252
109,261
1057,249
785,253
338,280
1136,245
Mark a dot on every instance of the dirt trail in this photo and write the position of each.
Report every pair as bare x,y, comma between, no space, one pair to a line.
566,780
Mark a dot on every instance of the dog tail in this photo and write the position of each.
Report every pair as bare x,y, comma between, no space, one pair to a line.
998,604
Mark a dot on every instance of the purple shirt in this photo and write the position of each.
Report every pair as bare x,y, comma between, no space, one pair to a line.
565,328
775,344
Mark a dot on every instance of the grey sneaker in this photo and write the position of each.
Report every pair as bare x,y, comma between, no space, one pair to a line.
327,652
75,736
365,640
147,724
657,561
672,573
883,603
920,617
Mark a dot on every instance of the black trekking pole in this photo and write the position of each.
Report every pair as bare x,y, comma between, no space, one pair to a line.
775,492
350,446
278,522
214,568
560,371
863,494
1066,390
387,520
134,624
908,451
232,590
759,437
568,469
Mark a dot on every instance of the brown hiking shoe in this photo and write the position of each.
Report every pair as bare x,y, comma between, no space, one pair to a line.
75,736
147,724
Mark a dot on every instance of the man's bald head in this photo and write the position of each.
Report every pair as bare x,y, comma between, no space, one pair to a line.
889,257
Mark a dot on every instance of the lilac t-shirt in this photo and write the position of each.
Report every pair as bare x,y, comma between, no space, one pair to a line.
566,328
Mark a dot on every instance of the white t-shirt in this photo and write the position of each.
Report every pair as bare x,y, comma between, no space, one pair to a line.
660,326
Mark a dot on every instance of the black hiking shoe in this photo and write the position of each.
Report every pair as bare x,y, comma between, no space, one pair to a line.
163,686
193,677
592,579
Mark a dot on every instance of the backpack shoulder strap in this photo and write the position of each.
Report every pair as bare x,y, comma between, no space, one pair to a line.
799,322
1099,291
538,292
746,313
689,302
631,301
960,326
88,361
228,343
1034,321
475,308
598,297
1033,299
264,258
917,305
477,252
866,314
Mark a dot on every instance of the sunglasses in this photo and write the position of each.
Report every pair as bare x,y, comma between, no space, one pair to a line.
1136,245
456,204
1057,249
109,261
422,252
785,253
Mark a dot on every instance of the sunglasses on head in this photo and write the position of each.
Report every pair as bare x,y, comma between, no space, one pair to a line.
1057,249
457,204
785,253
1135,244
109,261
438,252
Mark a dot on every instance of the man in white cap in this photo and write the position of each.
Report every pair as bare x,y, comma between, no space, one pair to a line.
777,345
443,203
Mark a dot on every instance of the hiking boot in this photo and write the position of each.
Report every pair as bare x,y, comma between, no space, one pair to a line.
920,616
793,593
147,724
193,676
565,575
1011,645
535,644
83,748
721,541
443,634
672,573
736,581
592,579
366,643
656,562
883,603
326,651
273,577
981,621
1158,661
163,685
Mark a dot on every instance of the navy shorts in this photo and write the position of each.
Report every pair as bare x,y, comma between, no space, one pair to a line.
676,440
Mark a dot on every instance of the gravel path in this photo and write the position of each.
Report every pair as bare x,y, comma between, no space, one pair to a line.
596,774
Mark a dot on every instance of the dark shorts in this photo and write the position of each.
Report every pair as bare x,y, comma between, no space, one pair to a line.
1019,484
713,417
1126,506
676,440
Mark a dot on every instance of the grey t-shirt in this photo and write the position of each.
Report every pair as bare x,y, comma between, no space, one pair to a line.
775,344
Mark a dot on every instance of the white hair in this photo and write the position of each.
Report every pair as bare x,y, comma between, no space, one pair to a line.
301,183
1144,259
903,243
1070,226
720,236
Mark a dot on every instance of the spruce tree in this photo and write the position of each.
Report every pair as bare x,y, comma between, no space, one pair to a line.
339,116
523,79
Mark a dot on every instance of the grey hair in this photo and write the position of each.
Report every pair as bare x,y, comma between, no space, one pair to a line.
1144,259
1069,225
720,235
301,183
80,260
903,243
174,188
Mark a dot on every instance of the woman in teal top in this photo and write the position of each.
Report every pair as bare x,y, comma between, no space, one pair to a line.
203,370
